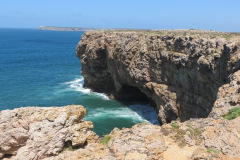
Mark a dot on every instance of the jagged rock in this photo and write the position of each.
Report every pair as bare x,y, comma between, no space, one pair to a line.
59,133
180,71
228,97
194,139
39,132
90,151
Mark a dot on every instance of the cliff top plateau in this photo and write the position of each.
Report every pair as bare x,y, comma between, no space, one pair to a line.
235,36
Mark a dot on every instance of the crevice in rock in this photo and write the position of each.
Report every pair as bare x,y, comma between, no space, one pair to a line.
7,156
68,145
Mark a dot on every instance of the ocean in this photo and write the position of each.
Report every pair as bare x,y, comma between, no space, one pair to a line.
40,68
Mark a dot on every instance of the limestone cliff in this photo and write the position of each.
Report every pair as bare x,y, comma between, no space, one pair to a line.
179,71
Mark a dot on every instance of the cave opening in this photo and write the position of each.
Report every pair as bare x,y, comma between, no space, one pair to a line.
138,102
131,93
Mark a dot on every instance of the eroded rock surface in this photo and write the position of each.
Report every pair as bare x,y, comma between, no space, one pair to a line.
194,139
216,139
228,96
179,71
60,133
39,132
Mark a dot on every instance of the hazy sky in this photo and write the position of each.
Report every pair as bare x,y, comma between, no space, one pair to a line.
221,15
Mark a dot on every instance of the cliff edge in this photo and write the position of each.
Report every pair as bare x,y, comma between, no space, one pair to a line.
179,71
60,133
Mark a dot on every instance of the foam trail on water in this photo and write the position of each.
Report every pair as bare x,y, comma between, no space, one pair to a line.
125,112
77,85
136,112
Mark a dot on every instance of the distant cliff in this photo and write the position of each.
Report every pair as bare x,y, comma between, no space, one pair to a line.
179,71
51,28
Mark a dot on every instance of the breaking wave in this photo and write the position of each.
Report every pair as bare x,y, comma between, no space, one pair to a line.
77,85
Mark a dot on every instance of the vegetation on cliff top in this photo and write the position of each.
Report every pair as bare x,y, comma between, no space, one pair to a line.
211,150
105,140
187,32
233,113
193,133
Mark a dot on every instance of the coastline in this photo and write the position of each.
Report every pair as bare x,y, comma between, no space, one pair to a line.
129,65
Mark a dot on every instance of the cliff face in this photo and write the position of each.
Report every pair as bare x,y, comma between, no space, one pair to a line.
179,71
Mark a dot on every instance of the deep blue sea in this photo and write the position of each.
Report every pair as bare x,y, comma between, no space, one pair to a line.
39,68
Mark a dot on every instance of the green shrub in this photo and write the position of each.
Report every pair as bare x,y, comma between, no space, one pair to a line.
211,150
233,113
195,133
174,125
179,135
105,140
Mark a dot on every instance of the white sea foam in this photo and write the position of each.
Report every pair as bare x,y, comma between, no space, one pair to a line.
77,85
136,112
117,113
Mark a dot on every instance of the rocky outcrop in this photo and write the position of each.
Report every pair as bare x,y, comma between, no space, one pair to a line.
60,133
228,97
179,71
194,139
40,132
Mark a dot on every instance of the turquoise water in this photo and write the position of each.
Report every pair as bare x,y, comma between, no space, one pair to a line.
39,68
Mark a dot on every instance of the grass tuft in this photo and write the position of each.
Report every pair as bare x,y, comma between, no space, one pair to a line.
233,113
179,135
105,140
211,150
174,125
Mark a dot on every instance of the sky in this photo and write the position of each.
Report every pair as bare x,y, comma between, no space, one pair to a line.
219,15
